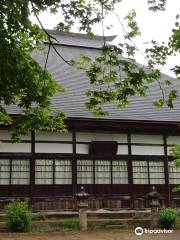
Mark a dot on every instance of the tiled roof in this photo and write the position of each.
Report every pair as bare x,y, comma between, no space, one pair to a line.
76,84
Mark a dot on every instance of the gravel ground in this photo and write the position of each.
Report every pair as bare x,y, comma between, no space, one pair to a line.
90,235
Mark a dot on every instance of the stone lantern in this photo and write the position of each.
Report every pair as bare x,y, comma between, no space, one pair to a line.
154,203
82,198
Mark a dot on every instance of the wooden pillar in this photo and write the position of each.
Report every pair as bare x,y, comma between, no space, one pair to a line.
166,172
32,167
130,171
10,178
74,163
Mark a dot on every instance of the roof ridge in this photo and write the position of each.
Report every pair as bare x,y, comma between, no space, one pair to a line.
82,35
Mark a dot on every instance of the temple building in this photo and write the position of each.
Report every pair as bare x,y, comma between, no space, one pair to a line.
117,159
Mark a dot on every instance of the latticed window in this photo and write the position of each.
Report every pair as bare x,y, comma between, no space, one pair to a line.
174,174
20,173
148,172
14,171
102,172
44,171
63,172
156,172
53,171
84,172
4,171
140,172
119,172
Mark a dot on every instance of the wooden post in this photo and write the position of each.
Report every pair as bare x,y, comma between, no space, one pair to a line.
32,167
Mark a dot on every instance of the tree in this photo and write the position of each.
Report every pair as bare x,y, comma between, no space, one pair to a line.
25,83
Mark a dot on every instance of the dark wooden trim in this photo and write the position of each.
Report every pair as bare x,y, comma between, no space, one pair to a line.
15,155
94,172
149,180
147,144
54,169
10,178
74,163
121,157
10,174
10,141
32,167
53,141
166,171
130,171
111,171
80,142
123,126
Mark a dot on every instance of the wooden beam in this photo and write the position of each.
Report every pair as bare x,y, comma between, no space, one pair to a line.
32,167
166,171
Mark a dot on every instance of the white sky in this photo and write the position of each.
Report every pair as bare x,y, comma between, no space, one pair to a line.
156,26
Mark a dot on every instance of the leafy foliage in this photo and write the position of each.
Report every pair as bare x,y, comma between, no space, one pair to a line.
69,224
175,152
167,218
22,80
157,5
18,216
28,85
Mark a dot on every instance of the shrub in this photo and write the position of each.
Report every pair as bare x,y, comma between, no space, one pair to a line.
167,218
18,216
39,216
69,224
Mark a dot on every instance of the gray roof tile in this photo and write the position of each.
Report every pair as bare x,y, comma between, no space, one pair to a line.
76,84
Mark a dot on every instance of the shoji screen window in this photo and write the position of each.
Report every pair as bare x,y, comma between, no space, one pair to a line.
174,174
44,171
102,172
4,171
85,172
140,172
156,172
119,172
63,172
20,172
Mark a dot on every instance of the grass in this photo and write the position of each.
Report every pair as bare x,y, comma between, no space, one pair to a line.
107,224
52,229
40,216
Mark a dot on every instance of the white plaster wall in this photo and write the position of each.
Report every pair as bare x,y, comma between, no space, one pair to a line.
138,138
6,135
173,140
82,148
15,147
53,148
88,137
53,136
122,150
147,150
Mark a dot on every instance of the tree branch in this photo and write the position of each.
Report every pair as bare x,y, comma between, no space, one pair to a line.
50,37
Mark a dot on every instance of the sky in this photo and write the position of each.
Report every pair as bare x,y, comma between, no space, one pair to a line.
156,26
